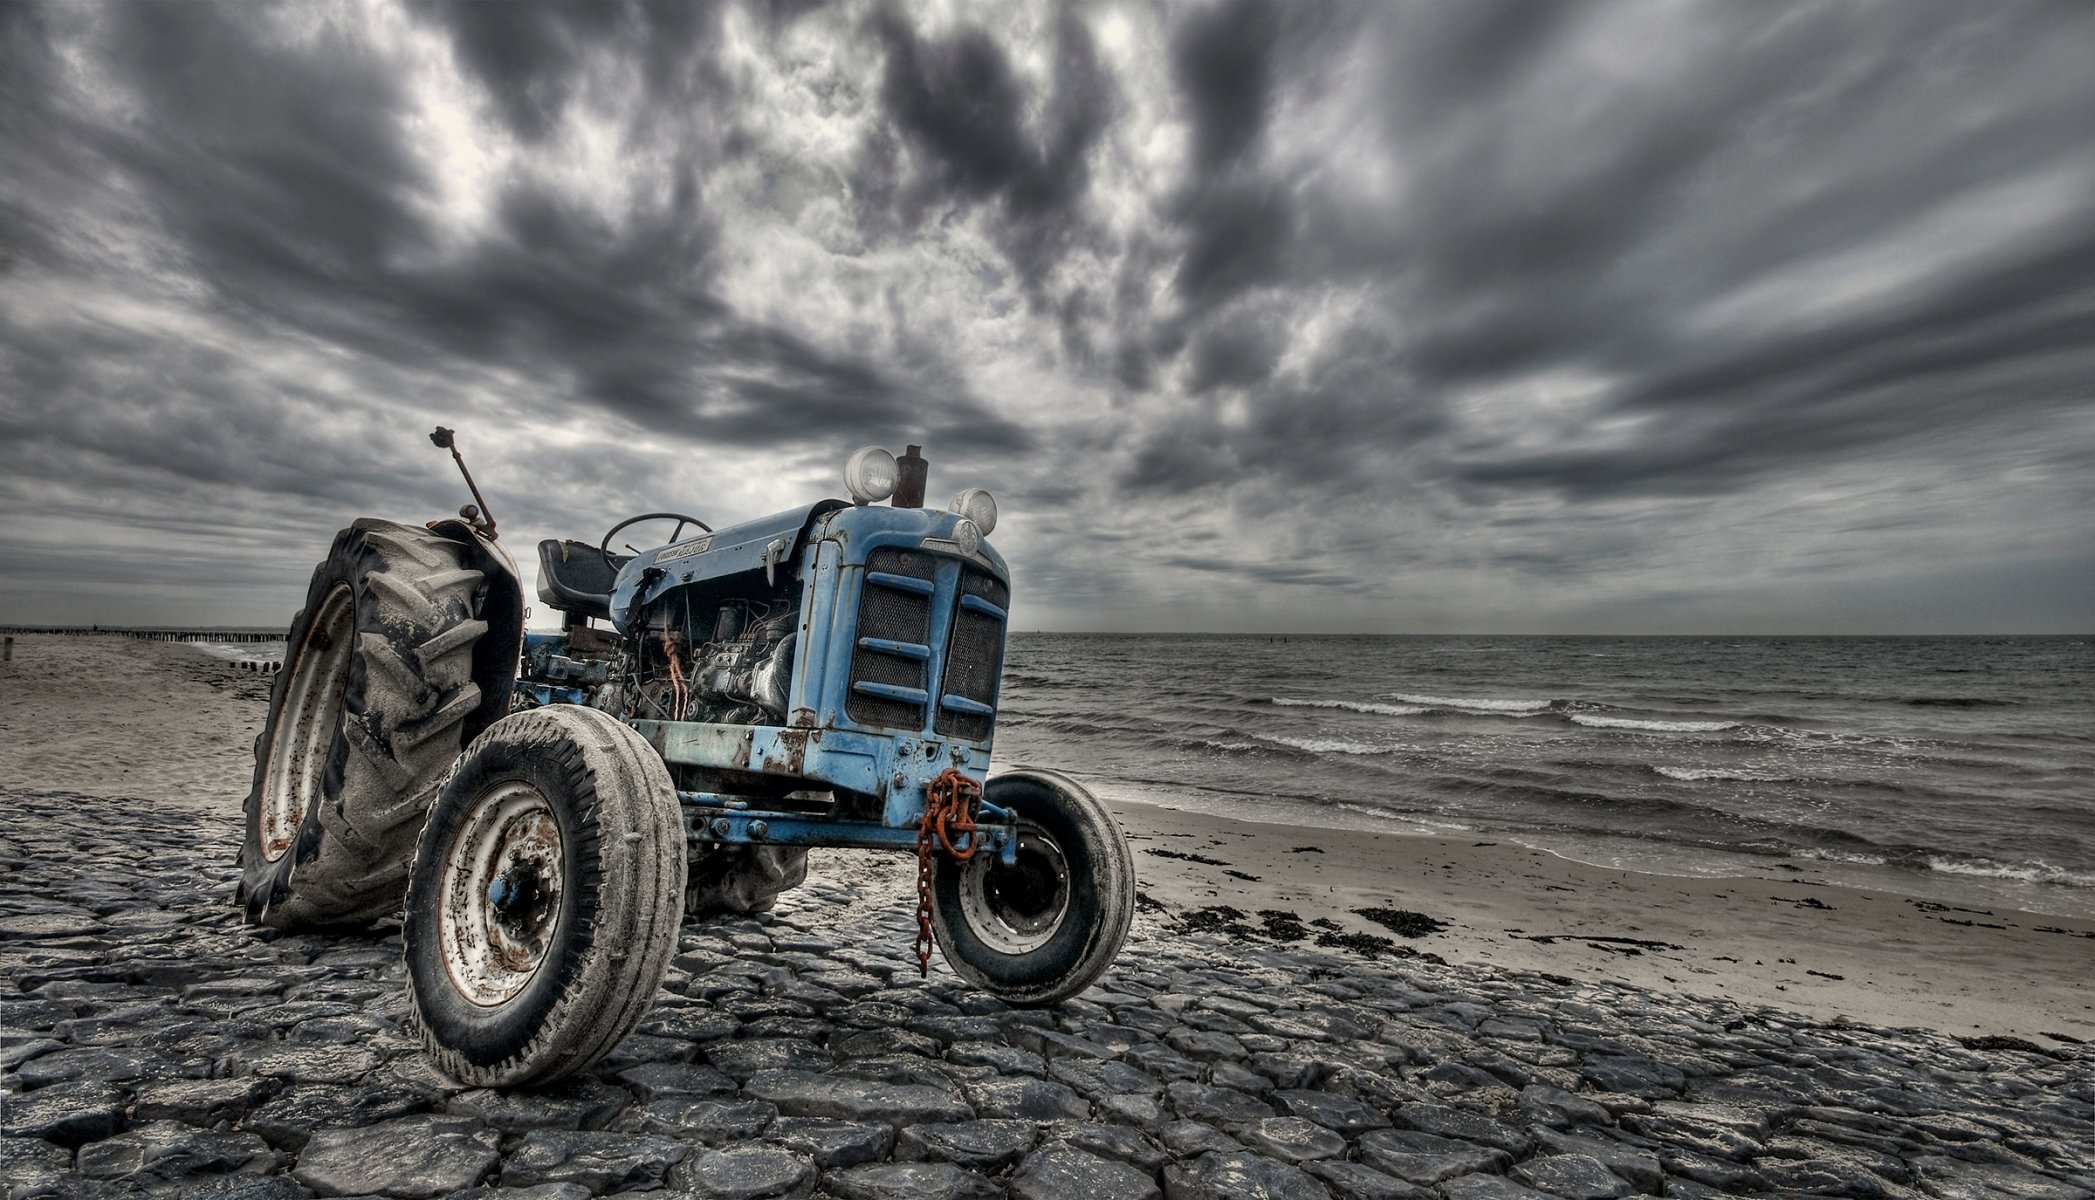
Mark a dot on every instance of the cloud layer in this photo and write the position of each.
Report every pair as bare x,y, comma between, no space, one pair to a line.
1255,315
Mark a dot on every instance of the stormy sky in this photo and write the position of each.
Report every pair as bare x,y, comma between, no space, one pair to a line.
1614,317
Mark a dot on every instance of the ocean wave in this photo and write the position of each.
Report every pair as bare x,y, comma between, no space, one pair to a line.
1958,702
1230,747
1699,774
1467,704
1592,721
1324,745
1822,854
2030,872
1359,706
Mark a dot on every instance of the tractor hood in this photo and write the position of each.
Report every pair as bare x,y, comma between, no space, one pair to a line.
774,540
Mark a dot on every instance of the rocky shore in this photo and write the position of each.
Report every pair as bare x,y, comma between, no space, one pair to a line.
154,1046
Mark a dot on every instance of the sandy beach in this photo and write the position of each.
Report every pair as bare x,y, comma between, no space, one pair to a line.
1299,1012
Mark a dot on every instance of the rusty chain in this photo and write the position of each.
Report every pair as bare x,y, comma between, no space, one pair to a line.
949,814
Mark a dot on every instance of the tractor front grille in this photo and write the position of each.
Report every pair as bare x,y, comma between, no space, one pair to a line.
888,666
974,657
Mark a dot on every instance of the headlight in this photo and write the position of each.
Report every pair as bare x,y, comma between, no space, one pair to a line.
977,506
869,475
967,537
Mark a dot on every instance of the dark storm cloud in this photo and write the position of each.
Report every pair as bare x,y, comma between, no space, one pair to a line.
285,172
957,103
531,54
1557,222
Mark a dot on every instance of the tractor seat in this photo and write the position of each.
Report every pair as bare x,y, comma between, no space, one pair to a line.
573,577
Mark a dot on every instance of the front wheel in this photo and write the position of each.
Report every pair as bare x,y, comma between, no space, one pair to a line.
545,898
1045,927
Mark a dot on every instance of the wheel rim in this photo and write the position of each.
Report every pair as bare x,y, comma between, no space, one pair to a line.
500,904
1019,908
305,727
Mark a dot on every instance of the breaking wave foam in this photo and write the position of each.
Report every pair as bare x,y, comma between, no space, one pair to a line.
1325,745
1698,774
1467,704
1387,710
2031,872
1592,721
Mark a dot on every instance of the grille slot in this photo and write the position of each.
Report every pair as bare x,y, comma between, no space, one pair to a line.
896,611
974,658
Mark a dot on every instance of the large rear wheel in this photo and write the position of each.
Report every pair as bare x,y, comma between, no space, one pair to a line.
1046,926
547,890
375,698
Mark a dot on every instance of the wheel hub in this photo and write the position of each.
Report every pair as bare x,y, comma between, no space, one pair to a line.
501,894
1017,908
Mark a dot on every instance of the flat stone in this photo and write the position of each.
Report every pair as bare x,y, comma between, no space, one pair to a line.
1007,1060
103,1064
1635,1076
1640,1167
1026,1099
751,1174
1292,1139
1110,1141
1425,1158
293,1116
1556,1107
909,1181
804,1094
1488,1187
575,1104
652,1081
1217,1175
269,1187
713,1122
1222,1106
544,1191
1573,1176
1067,1173
599,1161
986,1146
833,1144
67,1113
203,1102
309,1064
747,1057
1351,1181
168,1151
407,1157
1103,1077
1464,1125
1190,1139
1718,1173
49,926
1342,1115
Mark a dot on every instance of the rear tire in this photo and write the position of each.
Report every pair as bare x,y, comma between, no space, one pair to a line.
1046,928
545,899
374,700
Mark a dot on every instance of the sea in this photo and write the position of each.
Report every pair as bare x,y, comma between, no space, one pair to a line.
1955,768
1961,769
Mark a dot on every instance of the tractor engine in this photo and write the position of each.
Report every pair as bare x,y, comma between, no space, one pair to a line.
720,660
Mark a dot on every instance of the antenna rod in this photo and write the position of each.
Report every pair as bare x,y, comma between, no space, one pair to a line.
445,439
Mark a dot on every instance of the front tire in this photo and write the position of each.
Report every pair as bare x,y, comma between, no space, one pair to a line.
374,700
544,903
1045,928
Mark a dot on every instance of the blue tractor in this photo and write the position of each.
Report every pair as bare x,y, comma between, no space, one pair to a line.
710,709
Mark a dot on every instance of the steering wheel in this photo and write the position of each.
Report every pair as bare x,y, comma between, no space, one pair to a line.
604,547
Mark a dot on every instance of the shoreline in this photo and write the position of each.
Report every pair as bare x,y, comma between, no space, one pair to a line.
173,723
1787,942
